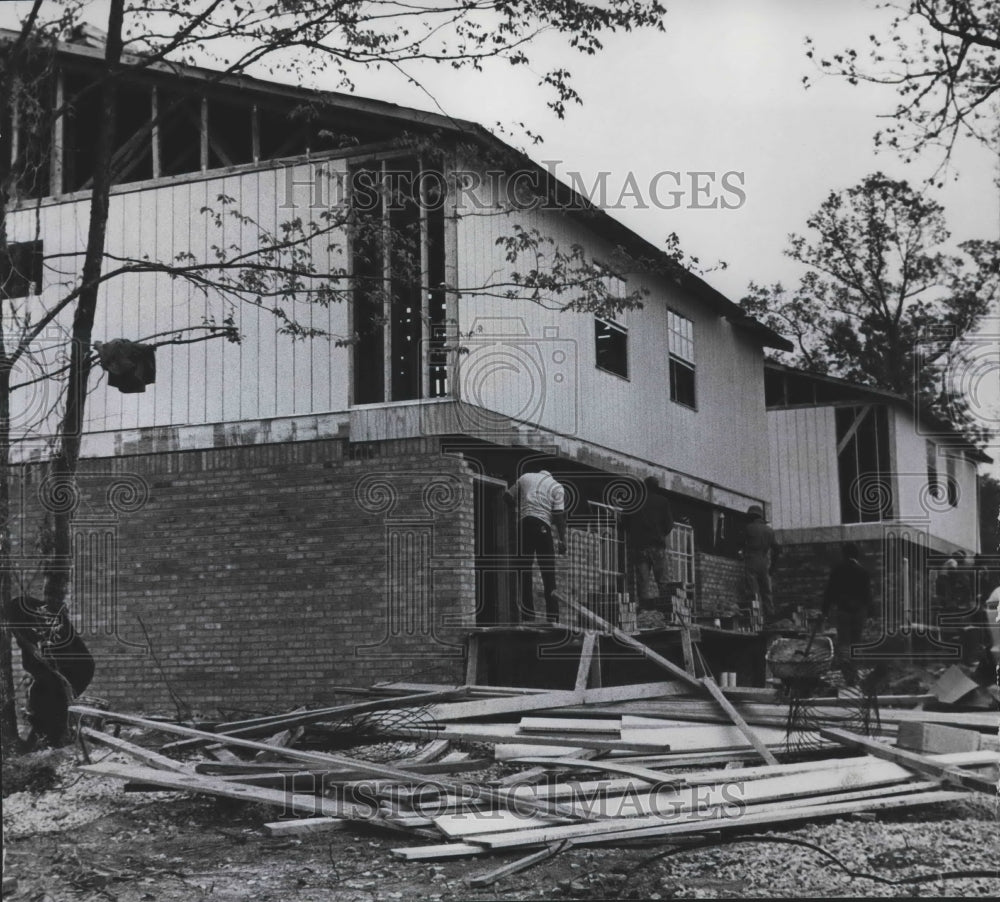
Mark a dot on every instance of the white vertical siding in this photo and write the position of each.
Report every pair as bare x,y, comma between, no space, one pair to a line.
803,467
266,375
958,525
724,441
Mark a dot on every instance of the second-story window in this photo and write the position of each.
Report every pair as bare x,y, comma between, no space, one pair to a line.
611,346
610,332
680,344
398,267
21,270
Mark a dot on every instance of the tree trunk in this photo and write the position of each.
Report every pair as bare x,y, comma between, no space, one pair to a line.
8,702
65,463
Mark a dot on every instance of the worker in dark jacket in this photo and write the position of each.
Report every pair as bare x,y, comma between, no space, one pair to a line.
647,528
849,589
760,554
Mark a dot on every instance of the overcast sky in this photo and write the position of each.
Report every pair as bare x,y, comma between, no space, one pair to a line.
721,91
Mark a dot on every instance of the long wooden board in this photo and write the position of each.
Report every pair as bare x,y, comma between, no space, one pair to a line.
603,831
539,701
920,763
651,808
379,771
146,756
302,804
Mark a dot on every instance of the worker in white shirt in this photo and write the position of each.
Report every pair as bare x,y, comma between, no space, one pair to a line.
541,504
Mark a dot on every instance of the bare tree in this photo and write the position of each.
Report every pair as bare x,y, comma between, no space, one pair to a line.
942,57
309,39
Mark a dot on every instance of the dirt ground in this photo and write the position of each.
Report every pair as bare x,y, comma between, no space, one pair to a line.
83,838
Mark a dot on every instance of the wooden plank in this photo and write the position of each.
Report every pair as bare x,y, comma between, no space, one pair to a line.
604,831
601,624
147,756
515,867
508,733
920,763
438,852
586,658
305,825
434,750
472,659
338,774
737,719
645,774
534,774
570,725
650,808
309,805
687,649
722,737
262,726
514,751
537,701
379,771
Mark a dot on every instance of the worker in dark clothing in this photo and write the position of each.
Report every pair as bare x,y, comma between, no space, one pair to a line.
848,589
760,554
647,529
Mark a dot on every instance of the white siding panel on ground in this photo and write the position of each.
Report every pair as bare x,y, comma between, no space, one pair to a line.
803,467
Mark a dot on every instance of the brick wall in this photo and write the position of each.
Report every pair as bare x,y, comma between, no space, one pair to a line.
265,575
720,585
802,571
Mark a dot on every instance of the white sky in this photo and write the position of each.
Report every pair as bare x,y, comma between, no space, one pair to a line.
721,90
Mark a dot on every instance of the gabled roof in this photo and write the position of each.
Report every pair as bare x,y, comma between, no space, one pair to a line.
87,46
833,390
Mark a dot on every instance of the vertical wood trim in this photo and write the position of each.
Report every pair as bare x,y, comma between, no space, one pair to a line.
255,132
58,129
386,288
425,294
154,134
204,133
451,271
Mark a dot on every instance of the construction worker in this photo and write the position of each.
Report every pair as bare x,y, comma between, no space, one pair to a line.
848,589
760,554
540,509
647,528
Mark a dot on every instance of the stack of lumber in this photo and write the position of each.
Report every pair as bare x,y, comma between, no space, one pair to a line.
576,774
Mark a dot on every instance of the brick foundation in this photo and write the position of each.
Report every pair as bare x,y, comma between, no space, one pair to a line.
264,575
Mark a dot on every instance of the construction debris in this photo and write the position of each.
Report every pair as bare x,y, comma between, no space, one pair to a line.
579,767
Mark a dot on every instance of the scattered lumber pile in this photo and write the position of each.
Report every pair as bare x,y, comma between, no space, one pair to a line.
484,770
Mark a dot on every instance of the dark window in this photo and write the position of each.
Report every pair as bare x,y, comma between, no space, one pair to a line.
21,270
179,133
681,382
863,462
951,467
680,344
133,156
398,266
369,293
611,347
230,134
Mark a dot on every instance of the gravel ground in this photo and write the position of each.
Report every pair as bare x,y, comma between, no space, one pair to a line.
85,839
